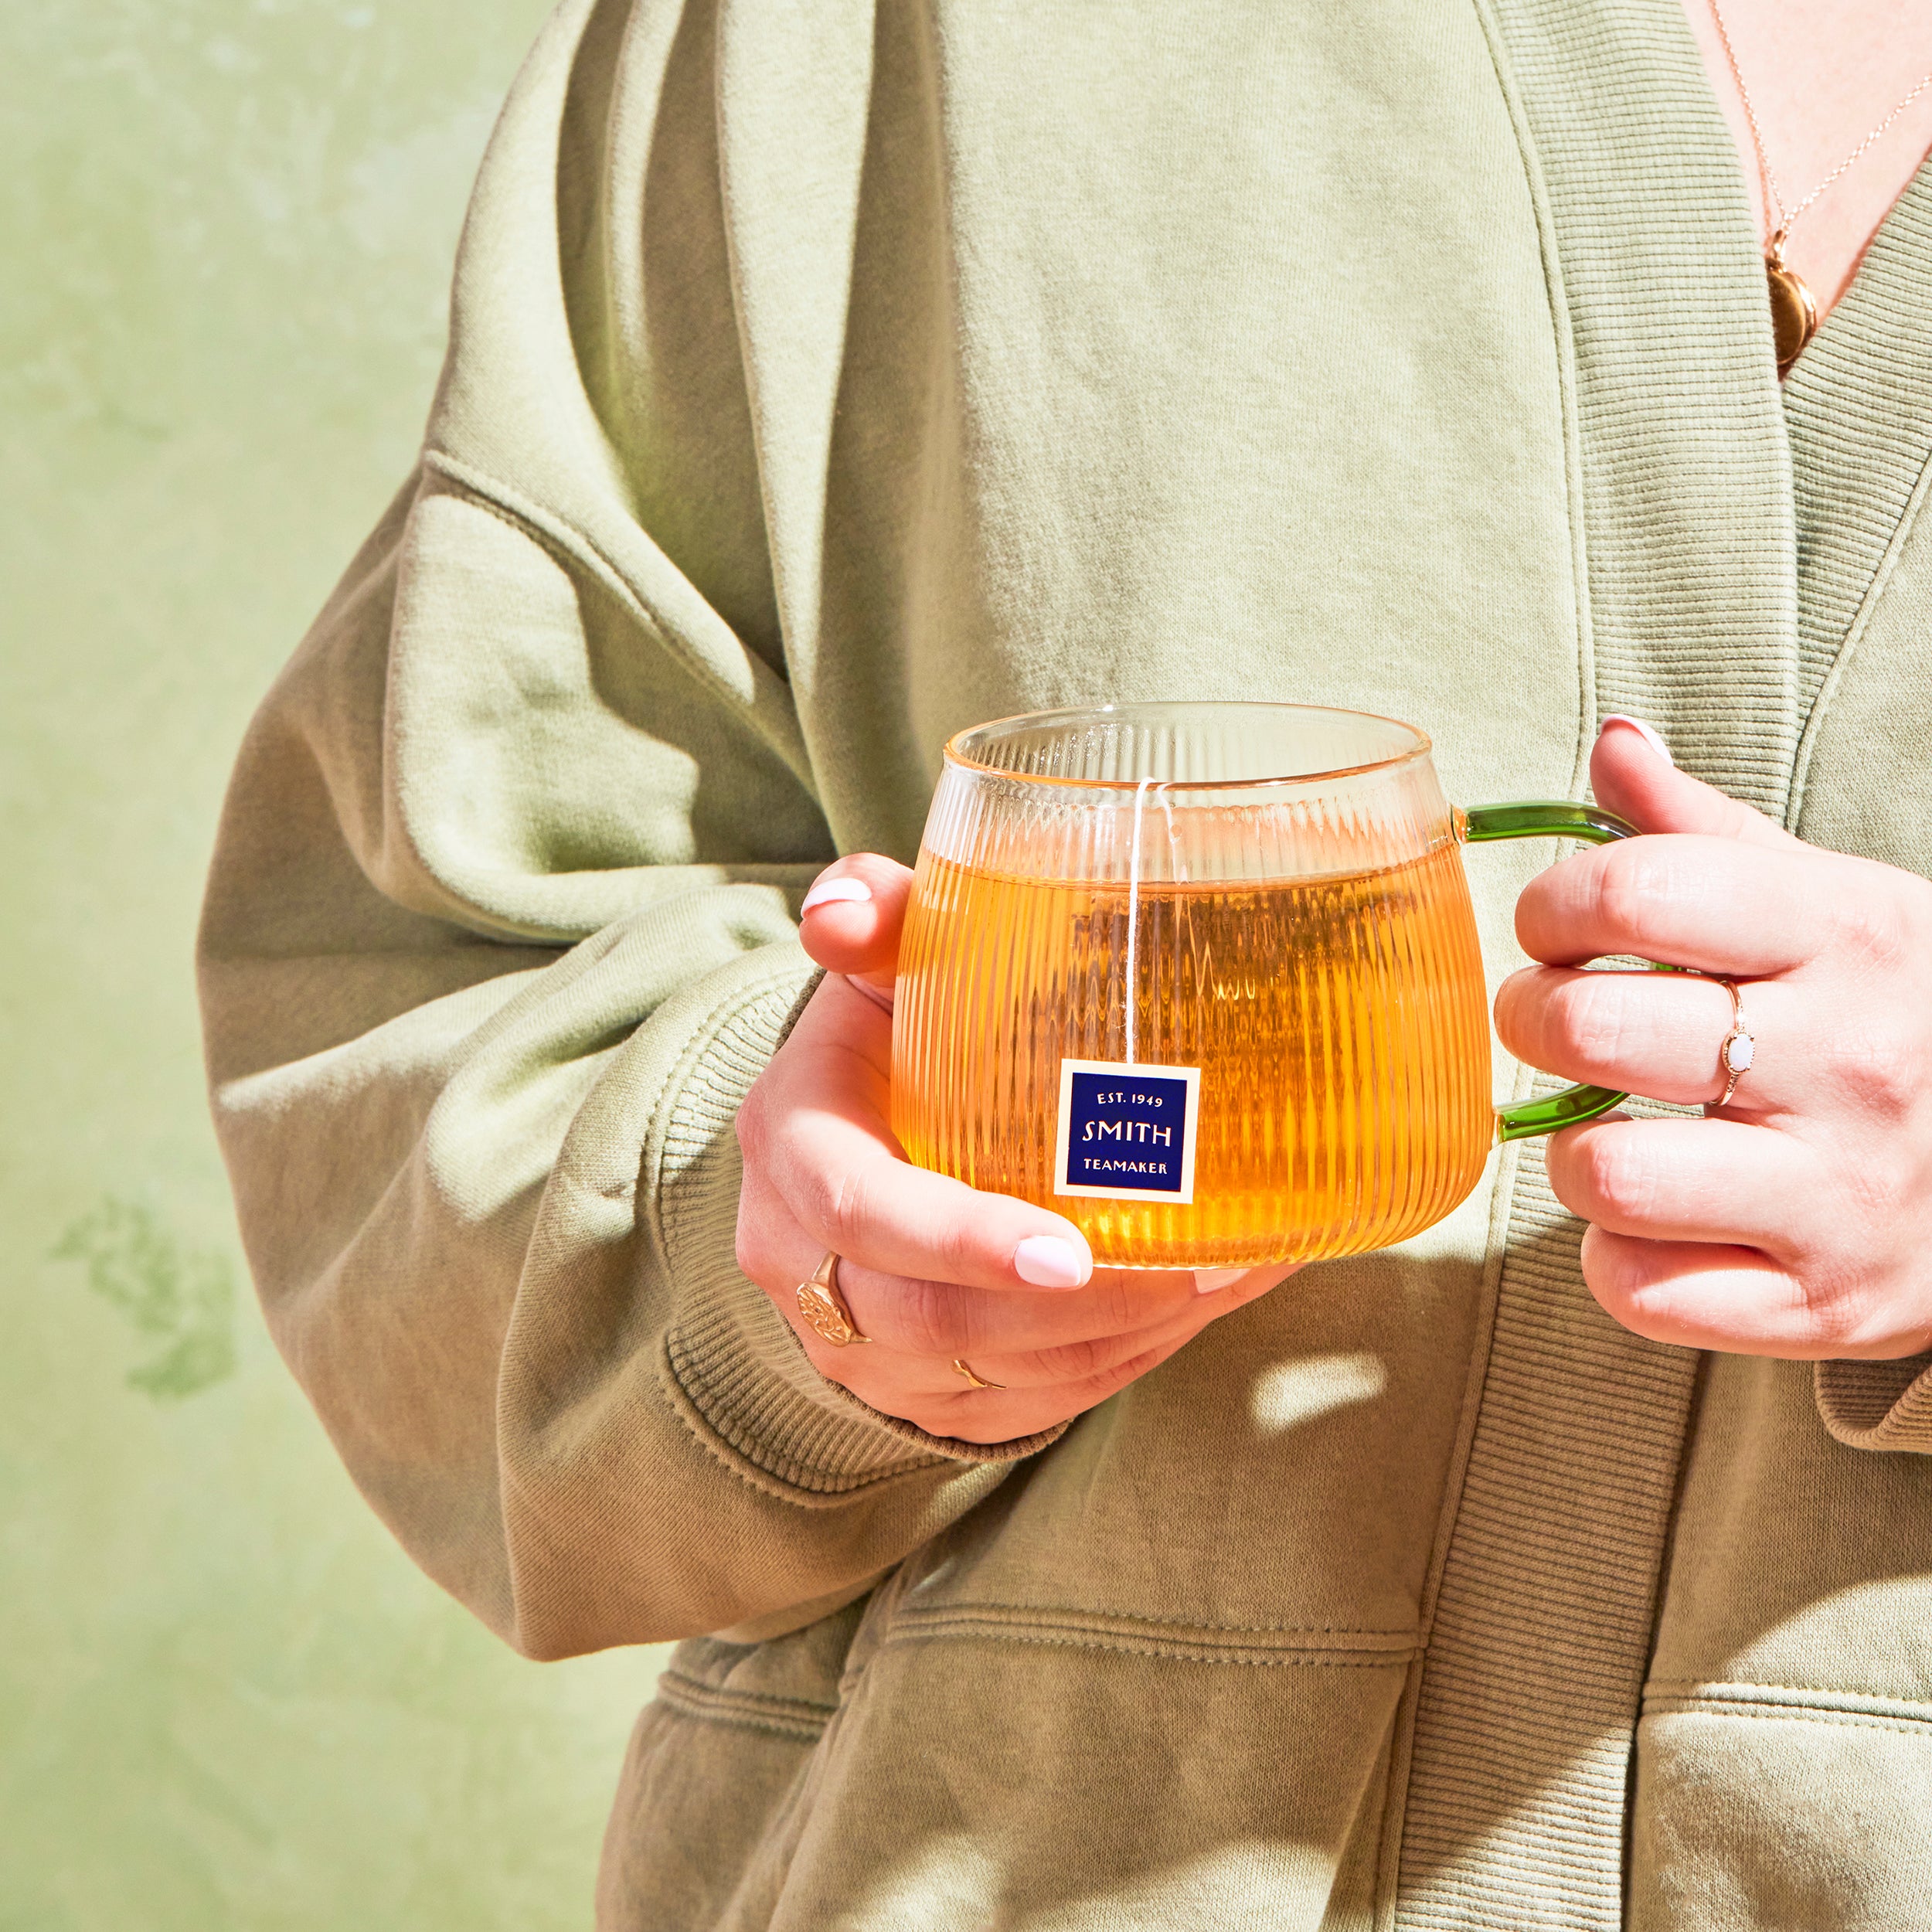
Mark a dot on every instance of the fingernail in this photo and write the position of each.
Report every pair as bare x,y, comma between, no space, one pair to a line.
1650,735
1048,1262
1213,1281
831,892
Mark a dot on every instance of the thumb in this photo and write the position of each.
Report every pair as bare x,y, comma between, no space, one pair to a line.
1631,773
850,920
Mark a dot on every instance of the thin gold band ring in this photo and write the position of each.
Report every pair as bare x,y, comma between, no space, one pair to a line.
977,1382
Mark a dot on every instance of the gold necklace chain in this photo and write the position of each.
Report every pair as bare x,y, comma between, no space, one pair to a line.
1786,223
1793,311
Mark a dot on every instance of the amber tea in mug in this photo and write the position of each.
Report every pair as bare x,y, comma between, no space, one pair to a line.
1204,979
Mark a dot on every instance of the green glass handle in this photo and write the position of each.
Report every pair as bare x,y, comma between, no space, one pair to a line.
1547,818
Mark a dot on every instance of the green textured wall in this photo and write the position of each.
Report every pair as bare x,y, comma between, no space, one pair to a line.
226,1700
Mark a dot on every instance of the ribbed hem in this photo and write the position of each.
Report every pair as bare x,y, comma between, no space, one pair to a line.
1658,300
1877,1405
1542,1619
745,1382
1537,1648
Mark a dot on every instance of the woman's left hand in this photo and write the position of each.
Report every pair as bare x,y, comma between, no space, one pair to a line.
1797,1221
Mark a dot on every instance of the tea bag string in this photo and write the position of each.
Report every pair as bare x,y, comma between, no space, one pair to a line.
1132,994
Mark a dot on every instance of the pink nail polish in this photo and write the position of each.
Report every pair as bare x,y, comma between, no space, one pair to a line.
832,891
1213,1281
1048,1262
1649,734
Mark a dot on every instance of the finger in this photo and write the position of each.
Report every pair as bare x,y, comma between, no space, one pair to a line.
1696,1295
1021,1410
919,1315
1658,1034
851,1190
1080,1361
843,1043
1069,1364
927,1391
770,1248
818,1151
941,1320
1719,905
991,1415
850,920
1702,1181
918,1389
819,1134
1636,778
1739,1301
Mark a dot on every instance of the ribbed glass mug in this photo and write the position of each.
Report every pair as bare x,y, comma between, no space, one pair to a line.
1204,979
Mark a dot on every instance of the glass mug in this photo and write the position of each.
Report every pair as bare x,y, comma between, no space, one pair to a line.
1205,979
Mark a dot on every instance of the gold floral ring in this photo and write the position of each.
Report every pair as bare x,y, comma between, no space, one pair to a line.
824,1307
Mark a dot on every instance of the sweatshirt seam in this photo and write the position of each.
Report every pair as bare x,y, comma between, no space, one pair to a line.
1045,1636
1862,442
1406,1637
1793,1714
683,1683
1543,1614
742,1721
1748,1690
790,1717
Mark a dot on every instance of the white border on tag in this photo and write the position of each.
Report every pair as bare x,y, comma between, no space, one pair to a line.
1147,1196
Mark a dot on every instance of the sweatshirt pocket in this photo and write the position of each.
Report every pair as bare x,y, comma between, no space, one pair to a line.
1013,1772
715,1778
1770,1805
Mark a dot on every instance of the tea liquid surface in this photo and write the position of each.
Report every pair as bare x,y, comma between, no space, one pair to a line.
1340,1024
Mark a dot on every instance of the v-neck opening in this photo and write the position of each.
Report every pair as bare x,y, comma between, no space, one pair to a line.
1920,183
1748,208
1858,409
1857,406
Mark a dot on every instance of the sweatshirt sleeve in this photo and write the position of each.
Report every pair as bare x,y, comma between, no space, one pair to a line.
500,931
1877,1405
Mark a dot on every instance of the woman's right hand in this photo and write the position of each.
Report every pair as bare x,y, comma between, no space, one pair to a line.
933,1271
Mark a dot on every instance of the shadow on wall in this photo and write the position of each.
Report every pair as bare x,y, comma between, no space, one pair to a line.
180,1302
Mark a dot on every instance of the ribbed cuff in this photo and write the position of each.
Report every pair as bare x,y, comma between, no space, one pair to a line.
1877,1405
744,1380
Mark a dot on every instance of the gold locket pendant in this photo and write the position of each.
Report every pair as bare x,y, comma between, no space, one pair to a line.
1793,313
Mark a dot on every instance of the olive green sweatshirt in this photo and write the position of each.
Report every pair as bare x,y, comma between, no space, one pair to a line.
826,378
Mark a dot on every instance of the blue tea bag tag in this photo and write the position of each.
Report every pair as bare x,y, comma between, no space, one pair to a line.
1126,1133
